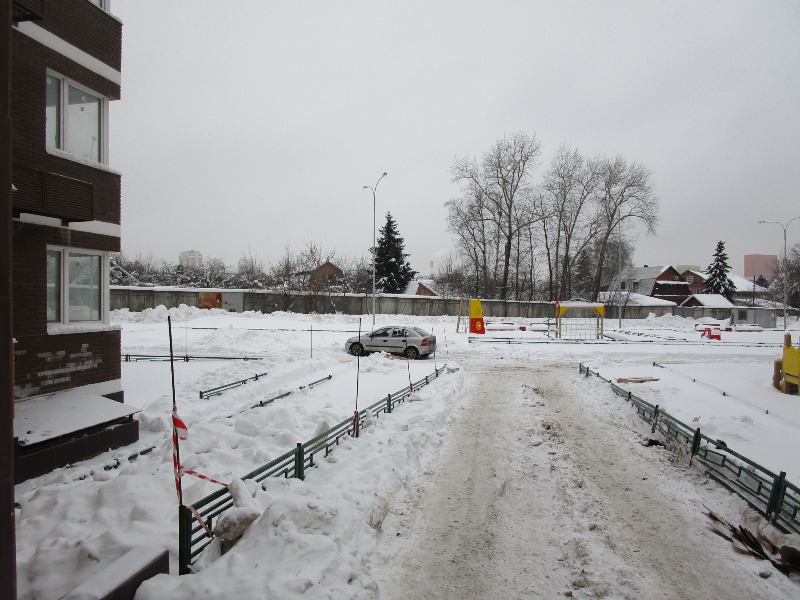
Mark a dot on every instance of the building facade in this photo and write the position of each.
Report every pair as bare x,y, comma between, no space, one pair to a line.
190,259
760,265
66,206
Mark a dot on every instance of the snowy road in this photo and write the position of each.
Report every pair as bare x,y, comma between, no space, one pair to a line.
540,495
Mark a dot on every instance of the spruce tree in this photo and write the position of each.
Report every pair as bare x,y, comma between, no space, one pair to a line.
717,280
392,271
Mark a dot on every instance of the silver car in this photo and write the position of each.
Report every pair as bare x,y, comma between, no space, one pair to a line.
411,342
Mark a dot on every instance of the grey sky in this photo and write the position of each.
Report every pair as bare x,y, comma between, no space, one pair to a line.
247,126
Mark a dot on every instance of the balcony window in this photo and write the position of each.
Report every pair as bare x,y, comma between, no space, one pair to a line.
74,119
75,286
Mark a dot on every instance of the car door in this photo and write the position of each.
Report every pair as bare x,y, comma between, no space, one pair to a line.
398,340
379,340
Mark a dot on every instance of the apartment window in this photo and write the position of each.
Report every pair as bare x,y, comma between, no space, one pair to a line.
690,279
74,119
75,286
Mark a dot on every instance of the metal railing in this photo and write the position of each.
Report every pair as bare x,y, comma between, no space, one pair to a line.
217,391
769,494
192,535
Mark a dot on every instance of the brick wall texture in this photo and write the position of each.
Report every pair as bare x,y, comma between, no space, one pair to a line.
46,363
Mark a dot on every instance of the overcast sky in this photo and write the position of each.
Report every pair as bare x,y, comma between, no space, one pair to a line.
247,126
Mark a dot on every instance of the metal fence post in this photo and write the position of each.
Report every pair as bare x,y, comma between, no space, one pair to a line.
695,445
776,497
388,403
184,540
299,460
655,419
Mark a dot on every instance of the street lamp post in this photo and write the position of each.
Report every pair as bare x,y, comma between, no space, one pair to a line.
785,266
374,243
619,271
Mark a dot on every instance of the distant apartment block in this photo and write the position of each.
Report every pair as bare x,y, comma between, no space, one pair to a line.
757,265
190,258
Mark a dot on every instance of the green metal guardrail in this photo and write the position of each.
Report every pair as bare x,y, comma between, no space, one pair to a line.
769,494
185,358
192,537
217,391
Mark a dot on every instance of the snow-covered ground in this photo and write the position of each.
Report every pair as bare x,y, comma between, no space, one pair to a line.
509,477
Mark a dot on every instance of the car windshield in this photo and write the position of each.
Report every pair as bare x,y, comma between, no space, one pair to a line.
421,331
382,331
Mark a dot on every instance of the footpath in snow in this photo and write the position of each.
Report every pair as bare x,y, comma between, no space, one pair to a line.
539,494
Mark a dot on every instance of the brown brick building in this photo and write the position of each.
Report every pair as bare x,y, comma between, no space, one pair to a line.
65,69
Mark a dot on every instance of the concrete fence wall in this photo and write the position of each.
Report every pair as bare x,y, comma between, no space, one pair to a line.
139,299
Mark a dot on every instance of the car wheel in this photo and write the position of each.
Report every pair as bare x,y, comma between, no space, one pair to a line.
356,349
412,353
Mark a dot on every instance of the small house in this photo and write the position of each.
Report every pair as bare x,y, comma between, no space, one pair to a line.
421,287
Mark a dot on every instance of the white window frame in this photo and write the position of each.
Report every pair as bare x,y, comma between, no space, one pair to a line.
63,125
62,324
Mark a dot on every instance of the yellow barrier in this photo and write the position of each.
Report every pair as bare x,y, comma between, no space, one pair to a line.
790,366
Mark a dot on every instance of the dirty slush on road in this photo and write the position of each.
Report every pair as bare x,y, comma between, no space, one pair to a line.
538,493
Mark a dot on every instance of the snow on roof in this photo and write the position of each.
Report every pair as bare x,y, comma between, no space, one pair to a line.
745,285
671,283
740,283
633,299
710,300
411,288
644,277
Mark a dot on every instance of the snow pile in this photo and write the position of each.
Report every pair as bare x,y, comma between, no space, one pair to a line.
316,537
160,313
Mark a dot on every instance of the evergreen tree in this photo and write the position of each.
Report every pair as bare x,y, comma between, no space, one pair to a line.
718,281
392,271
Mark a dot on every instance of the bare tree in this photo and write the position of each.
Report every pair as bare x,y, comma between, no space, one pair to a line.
282,271
469,221
502,182
625,194
568,189
213,274
452,279
357,274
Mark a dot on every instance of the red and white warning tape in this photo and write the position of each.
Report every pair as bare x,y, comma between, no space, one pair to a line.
201,476
197,516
